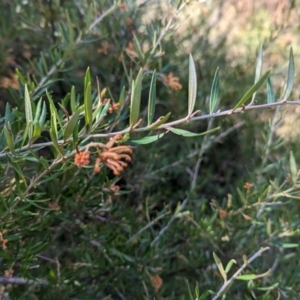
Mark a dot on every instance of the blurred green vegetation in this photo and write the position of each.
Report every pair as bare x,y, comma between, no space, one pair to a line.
70,234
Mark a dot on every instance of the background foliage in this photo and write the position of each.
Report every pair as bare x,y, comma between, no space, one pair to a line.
188,211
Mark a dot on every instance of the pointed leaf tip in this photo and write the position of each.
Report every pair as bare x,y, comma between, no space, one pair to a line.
192,86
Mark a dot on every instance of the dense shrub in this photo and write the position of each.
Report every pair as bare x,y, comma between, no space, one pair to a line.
130,169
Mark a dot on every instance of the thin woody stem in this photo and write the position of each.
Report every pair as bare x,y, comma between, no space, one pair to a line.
165,126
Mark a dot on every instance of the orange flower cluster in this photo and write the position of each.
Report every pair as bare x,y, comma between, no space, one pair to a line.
115,158
248,186
112,158
172,81
82,158
156,282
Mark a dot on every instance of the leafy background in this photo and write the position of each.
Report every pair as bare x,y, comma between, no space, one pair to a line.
72,235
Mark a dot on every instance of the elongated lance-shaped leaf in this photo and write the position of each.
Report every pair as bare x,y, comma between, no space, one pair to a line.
73,100
70,27
290,78
71,125
38,111
257,70
220,266
192,86
37,131
160,121
187,133
88,107
54,118
252,90
7,114
135,101
138,49
152,96
270,91
42,118
293,167
148,139
9,139
28,112
122,97
214,94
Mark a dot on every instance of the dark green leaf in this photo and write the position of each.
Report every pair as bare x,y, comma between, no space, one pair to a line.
71,125
73,100
135,101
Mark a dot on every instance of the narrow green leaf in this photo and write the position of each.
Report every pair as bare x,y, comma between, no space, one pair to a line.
75,136
88,107
258,69
214,94
21,77
103,113
229,265
28,112
247,277
270,91
7,114
42,118
55,143
9,139
17,169
87,78
220,266
122,97
252,90
70,27
135,101
148,139
293,167
290,78
38,111
268,288
44,63
152,96
53,120
71,125
191,134
206,294
36,130
189,289
192,86
138,48
73,100
289,245
160,121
